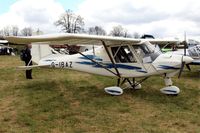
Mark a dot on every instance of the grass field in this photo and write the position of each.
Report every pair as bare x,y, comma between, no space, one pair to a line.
62,101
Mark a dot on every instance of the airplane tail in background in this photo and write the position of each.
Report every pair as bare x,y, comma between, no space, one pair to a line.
40,51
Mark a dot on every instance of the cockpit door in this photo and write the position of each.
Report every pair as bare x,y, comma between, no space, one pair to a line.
127,61
147,53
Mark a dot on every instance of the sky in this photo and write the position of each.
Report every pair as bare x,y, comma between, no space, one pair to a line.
160,18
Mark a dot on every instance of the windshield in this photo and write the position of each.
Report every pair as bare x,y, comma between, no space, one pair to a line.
147,52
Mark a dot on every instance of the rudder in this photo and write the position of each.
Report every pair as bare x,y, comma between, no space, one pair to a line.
40,51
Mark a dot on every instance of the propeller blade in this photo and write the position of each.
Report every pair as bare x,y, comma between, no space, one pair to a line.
188,67
185,43
185,46
181,70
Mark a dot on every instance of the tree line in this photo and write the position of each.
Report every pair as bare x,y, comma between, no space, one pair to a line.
15,31
69,22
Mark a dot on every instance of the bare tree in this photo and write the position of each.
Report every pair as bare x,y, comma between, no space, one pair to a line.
39,32
27,31
127,34
6,31
118,31
1,32
70,22
15,30
136,35
97,30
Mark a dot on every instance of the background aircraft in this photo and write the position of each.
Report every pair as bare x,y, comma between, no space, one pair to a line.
189,48
4,49
192,51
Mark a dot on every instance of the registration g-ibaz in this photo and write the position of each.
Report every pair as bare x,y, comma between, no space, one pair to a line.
124,58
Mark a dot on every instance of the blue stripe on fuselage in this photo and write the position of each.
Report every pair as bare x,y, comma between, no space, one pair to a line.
167,67
195,63
109,66
91,57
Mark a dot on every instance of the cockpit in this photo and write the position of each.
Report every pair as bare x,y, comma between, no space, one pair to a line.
123,54
145,51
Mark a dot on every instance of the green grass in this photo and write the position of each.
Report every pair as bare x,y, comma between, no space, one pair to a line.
68,101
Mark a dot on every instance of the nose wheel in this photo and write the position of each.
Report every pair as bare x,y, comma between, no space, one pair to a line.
170,89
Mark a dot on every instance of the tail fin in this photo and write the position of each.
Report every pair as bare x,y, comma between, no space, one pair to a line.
39,51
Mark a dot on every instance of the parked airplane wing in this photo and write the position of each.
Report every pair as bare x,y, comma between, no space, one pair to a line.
71,39
163,41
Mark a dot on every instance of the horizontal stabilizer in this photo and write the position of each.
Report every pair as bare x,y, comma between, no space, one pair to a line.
30,67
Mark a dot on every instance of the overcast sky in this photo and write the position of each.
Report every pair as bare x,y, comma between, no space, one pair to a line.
158,17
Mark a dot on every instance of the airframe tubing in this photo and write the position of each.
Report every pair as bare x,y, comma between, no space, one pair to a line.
104,44
97,63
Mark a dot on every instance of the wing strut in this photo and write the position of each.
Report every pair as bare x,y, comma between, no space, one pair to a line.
97,63
104,44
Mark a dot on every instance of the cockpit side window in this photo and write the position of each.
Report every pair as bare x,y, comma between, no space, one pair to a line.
122,54
139,51
146,51
143,52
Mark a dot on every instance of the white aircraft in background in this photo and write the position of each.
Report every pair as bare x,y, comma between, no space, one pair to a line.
192,51
5,49
124,58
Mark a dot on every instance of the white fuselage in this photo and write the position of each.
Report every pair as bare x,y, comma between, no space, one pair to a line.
161,65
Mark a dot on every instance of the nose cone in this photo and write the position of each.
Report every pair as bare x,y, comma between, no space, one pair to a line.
187,59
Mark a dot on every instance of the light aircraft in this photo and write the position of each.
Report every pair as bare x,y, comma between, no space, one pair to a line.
192,51
4,49
190,48
124,58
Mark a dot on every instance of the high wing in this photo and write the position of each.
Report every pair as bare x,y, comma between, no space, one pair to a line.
81,39
71,39
163,41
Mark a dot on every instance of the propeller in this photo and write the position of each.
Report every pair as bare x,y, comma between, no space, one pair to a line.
185,44
188,67
183,63
182,67
185,47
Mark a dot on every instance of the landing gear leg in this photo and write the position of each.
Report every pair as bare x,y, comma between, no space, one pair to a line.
133,85
168,81
118,82
117,90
